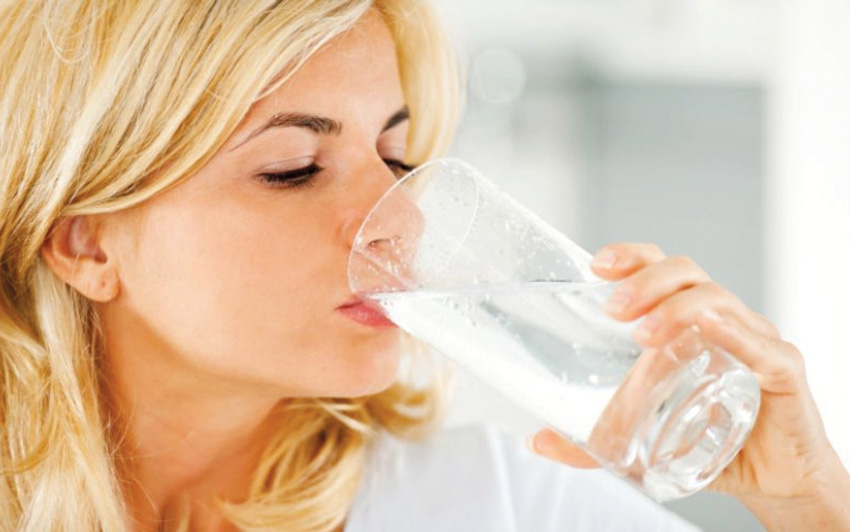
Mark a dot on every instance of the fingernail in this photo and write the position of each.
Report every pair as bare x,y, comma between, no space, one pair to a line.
711,315
529,442
619,300
605,259
647,327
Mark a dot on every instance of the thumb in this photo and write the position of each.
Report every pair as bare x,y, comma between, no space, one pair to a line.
549,444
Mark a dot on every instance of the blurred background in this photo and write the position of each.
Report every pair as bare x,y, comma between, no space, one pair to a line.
717,129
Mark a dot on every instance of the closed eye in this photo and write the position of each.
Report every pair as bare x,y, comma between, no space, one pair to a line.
399,168
303,177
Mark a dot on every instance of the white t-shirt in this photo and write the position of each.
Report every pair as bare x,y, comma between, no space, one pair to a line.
480,478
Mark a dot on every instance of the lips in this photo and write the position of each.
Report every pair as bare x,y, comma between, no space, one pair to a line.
365,313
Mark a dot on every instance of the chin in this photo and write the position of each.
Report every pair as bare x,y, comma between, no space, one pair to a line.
372,377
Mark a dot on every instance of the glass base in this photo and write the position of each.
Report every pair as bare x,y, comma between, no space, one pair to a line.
700,419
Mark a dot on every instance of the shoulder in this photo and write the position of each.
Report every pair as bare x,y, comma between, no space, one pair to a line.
479,477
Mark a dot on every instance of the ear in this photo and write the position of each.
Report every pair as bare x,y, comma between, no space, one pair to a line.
73,252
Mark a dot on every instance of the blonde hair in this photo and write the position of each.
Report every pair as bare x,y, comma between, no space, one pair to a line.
107,103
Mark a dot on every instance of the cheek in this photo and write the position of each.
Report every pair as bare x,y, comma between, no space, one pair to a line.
235,284
250,295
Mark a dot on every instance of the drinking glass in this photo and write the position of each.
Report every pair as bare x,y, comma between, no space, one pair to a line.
462,266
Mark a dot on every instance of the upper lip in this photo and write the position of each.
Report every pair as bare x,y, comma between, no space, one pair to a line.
352,302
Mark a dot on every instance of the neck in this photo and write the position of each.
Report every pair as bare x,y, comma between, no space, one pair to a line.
178,450
184,438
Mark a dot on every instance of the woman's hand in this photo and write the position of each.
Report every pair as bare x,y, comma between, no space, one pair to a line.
787,467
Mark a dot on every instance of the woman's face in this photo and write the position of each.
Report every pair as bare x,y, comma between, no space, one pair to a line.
243,278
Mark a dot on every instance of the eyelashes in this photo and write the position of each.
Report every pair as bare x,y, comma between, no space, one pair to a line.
303,177
293,178
400,168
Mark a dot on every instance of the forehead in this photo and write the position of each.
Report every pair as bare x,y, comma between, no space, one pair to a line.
354,70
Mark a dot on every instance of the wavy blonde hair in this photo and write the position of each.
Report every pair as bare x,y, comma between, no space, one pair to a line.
105,104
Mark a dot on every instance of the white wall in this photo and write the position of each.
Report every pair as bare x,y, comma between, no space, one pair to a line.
809,201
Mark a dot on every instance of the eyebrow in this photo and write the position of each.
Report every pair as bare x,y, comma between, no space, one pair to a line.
320,125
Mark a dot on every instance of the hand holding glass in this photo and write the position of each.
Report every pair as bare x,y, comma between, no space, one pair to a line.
462,266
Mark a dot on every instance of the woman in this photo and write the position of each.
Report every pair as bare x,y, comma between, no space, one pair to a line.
181,182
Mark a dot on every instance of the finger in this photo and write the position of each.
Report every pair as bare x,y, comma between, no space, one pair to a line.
670,317
654,283
777,364
762,325
619,260
550,445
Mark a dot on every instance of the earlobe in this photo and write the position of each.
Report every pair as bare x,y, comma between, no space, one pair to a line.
73,252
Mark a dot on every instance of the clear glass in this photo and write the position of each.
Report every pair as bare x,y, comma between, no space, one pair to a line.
457,263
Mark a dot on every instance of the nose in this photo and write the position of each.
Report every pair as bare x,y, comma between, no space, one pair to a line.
395,220
384,236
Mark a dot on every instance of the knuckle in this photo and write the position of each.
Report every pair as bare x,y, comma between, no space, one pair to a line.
762,344
717,291
686,263
653,249
772,329
690,265
769,325
791,352
790,364
670,316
